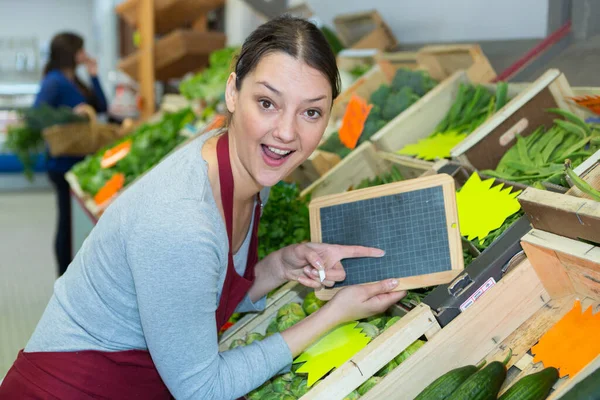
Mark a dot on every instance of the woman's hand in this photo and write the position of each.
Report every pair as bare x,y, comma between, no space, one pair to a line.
302,262
92,66
361,301
349,304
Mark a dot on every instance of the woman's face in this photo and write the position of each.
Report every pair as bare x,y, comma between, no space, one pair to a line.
80,57
279,116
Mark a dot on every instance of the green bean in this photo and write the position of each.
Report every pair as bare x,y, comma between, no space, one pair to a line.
582,185
571,127
572,118
550,147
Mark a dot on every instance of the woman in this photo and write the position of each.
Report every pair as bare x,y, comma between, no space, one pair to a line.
62,87
137,313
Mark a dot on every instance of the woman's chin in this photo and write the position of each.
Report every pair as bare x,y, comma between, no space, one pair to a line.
270,178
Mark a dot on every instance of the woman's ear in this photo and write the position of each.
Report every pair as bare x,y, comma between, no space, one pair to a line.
231,93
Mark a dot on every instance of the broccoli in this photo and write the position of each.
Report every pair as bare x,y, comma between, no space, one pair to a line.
379,97
419,81
373,124
398,102
334,145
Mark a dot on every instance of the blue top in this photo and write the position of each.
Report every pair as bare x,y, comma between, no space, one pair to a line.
57,90
150,276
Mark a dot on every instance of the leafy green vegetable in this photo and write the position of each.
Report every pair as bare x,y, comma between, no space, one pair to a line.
311,303
150,144
285,219
368,385
26,141
209,84
359,70
253,337
410,350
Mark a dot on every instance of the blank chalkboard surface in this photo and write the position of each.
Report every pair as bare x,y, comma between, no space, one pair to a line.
414,221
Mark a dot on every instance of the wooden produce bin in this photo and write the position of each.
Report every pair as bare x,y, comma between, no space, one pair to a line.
573,214
365,30
514,314
391,62
362,163
420,120
484,148
442,61
413,325
177,53
170,14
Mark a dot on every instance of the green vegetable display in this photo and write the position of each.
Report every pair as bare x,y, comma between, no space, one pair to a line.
393,175
388,102
311,303
540,156
209,84
409,351
285,219
150,144
446,384
368,385
26,141
532,387
484,384
368,329
359,70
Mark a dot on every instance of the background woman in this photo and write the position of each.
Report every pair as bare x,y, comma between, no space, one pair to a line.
61,87
137,313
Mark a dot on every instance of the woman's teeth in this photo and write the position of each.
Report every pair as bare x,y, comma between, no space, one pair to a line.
279,151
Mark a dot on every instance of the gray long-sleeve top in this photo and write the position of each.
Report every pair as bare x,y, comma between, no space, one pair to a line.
150,276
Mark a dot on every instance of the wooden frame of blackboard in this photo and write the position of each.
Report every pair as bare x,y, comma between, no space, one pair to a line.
454,238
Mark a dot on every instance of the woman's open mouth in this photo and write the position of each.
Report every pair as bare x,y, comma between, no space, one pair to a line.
273,156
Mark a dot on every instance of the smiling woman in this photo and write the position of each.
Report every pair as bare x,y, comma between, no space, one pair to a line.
138,311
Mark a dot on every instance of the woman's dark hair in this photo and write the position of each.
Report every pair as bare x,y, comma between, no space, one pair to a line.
63,49
297,37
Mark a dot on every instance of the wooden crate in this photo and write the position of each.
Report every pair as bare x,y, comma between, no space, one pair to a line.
170,14
317,165
365,30
421,119
442,61
177,53
513,314
362,163
391,62
573,214
413,325
484,148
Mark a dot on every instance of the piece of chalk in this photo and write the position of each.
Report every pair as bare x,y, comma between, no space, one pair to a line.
321,275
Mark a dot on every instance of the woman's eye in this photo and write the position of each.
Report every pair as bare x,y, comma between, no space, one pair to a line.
266,104
313,114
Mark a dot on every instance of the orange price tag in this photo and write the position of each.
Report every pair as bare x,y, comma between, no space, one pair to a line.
353,122
113,155
110,188
217,122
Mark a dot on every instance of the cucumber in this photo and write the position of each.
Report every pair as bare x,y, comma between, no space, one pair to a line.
484,384
587,389
443,386
532,387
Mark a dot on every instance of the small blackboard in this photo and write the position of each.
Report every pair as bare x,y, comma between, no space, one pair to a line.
414,221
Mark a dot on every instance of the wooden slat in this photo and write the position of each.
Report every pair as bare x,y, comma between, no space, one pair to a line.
470,337
377,354
550,270
145,65
170,14
565,215
580,261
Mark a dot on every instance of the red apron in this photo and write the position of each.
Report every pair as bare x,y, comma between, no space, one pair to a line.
128,374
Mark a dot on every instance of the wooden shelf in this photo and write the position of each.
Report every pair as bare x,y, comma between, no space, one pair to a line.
177,53
170,14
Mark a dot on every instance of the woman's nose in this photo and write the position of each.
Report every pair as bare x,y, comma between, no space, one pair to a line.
286,128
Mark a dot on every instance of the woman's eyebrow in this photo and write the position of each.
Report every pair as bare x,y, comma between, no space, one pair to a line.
277,92
271,88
